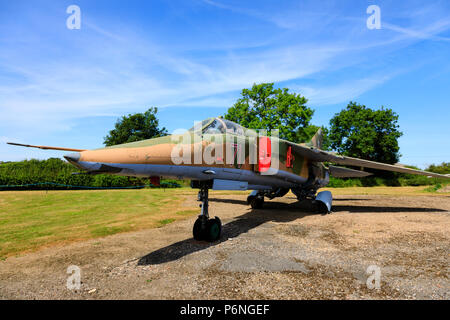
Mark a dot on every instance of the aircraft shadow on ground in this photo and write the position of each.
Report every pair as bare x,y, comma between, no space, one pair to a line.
284,213
281,212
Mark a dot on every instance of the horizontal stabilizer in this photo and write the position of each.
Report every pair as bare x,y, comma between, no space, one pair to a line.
45,147
340,172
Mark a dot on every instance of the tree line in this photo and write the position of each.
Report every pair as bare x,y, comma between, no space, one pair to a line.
57,174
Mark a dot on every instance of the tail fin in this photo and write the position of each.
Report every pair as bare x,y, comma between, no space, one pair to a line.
316,141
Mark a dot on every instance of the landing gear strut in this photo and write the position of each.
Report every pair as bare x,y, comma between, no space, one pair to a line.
205,228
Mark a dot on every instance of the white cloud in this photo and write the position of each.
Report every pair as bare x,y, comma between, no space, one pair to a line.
429,33
58,92
344,91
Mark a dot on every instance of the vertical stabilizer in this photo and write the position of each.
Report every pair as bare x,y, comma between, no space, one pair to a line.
316,141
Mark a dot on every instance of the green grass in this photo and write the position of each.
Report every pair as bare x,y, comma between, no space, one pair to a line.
33,219
434,188
165,221
187,212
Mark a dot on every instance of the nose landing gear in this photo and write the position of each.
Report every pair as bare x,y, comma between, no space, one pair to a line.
204,228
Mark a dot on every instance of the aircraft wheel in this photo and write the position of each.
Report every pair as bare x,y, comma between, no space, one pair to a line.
256,203
197,230
321,208
213,229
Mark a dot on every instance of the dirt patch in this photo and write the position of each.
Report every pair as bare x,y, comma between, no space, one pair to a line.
444,189
293,230
283,251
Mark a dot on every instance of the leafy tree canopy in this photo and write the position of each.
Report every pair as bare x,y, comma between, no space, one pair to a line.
263,107
135,127
443,168
361,132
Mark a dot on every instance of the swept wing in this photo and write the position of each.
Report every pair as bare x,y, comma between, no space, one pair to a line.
317,155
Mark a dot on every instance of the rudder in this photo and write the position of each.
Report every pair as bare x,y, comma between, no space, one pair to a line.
317,139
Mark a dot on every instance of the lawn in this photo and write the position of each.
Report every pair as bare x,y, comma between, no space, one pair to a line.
30,220
33,219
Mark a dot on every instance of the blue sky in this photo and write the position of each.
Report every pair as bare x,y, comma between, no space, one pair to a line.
192,58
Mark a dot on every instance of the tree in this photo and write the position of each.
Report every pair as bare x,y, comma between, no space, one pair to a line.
135,127
443,168
361,132
263,107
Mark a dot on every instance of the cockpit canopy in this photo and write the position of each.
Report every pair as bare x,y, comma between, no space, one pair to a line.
219,126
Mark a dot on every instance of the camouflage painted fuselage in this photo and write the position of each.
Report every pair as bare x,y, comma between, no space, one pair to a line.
205,157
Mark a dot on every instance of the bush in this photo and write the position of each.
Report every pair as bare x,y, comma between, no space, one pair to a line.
443,168
55,173
170,184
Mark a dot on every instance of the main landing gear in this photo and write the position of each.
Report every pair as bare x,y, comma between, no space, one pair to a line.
205,228
322,201
256,199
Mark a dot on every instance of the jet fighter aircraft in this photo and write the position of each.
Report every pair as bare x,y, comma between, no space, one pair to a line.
219,154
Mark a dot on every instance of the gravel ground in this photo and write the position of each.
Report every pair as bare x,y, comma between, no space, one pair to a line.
279,252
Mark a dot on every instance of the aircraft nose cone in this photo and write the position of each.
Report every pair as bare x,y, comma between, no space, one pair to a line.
73,157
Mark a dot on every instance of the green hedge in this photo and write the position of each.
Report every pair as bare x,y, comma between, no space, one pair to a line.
56,171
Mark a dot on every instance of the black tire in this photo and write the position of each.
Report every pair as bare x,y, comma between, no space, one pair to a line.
213,229
197,230
256,203
321,208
